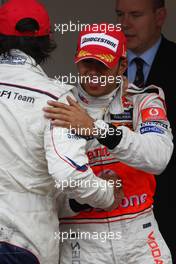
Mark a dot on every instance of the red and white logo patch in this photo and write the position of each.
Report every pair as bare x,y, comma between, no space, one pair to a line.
153,113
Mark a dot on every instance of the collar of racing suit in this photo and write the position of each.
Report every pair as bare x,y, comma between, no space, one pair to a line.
19,58
111,102
102,107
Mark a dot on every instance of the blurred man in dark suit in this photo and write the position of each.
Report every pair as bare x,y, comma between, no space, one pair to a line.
151,60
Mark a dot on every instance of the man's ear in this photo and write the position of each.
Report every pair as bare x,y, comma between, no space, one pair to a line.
123,66
161,14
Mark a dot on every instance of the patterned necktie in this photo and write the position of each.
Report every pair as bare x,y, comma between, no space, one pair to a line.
139,78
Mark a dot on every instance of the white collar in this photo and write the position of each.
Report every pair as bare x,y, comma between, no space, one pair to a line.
112,101
18,58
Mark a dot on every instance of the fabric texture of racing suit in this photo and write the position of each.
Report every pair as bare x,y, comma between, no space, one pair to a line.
35,161
129,234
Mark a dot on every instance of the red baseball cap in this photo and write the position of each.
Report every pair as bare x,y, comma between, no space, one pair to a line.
15,10
103,42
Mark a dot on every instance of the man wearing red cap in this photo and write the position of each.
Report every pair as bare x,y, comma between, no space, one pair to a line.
128,136
35,157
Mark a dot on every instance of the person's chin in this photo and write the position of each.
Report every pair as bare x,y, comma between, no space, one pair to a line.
133,47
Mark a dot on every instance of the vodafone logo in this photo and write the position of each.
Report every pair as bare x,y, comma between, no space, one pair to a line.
154,247
153,112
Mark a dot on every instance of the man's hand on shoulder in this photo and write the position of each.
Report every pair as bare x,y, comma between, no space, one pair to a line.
71,116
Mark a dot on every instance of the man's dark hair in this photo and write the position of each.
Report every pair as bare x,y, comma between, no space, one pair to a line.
38,48
158,3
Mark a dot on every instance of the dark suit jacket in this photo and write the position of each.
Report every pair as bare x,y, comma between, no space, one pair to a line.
163,74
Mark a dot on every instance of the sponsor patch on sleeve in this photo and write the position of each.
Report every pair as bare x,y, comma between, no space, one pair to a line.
153,114
149,129
155,123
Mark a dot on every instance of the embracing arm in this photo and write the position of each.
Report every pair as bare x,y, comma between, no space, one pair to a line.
149,147
68,165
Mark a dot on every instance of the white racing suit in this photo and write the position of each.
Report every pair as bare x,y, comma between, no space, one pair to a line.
37,160
129,234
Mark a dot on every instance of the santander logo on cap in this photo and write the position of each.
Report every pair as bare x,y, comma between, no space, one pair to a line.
100,39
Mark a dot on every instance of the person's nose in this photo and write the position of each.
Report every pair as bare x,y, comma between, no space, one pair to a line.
93,70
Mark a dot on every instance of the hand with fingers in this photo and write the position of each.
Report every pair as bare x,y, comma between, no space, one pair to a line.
71,116
114,179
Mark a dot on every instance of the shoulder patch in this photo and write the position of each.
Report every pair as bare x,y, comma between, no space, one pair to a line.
153,114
